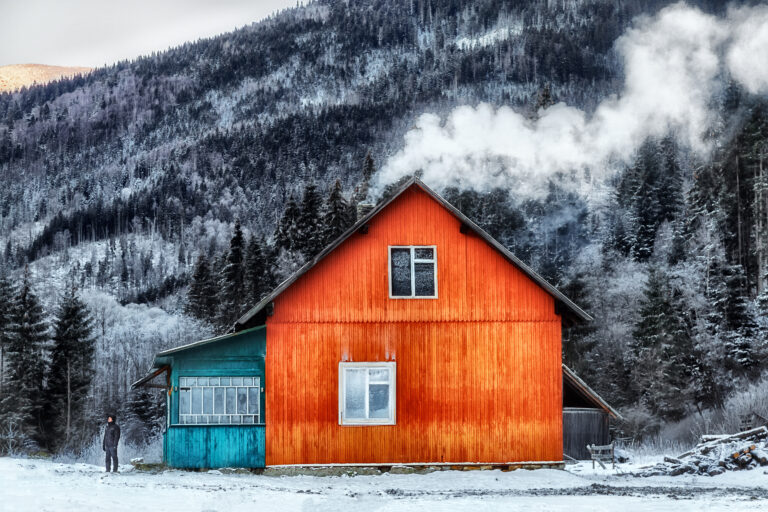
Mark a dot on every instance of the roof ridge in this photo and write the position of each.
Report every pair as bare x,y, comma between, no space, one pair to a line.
413,180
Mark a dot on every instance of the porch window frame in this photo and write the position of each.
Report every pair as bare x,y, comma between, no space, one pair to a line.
257,417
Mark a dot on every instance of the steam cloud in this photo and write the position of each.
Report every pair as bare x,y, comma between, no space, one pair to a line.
675,63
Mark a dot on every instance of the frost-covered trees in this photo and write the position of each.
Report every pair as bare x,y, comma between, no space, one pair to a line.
69,375
232,283
337,215
663,365
6,324
309,232
258,270
24,396
202,294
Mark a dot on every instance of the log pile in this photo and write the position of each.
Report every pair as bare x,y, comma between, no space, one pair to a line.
715,455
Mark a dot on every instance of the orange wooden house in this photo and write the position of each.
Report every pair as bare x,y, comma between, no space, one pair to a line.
415,338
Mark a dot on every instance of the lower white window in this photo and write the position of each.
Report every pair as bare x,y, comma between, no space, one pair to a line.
219,400
367,393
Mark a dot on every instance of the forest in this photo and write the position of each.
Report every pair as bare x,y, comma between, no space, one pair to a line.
138,201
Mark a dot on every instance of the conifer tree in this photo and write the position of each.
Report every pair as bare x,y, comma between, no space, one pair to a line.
231,292
201,297
336,218
70,372
257,280
6,324
25,396
287,228
662,349
309,240
361,191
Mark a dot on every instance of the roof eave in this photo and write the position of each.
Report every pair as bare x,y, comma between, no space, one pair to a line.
584,388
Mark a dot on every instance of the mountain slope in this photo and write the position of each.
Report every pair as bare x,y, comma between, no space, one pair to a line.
16,76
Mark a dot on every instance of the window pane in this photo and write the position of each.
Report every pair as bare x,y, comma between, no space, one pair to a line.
213,381
218,401
191,381
224,381
202,381
380,375
231,409
200,419
401,272
234,420
354,404
184,401
237,381
378,400
425,279
247,381
242,401
213,419
253,400
425,254
197,400
248,419
207,400
224,419
257,381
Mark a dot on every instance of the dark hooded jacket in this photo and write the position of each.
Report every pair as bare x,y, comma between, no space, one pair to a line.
111,435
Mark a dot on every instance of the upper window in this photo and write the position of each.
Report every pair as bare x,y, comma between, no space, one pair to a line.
413,272
367,393
219,400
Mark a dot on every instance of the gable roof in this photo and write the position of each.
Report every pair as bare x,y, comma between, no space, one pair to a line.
567,305
588,393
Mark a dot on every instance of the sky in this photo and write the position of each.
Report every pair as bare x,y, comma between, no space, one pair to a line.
92,33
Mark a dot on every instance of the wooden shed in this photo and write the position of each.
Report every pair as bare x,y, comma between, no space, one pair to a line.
415,338
586,417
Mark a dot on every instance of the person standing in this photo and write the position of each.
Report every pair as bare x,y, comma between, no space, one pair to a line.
109,444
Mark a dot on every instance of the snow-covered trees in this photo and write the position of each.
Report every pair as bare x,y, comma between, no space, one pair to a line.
24,396
202,293
66,422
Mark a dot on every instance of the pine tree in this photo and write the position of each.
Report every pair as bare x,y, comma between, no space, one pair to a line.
309,240
257,279
25,396
6,324
70,372
361,191
662,349
336,218
201,297
287,228
232,289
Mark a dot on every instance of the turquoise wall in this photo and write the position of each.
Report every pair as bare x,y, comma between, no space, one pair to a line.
212,446
215,446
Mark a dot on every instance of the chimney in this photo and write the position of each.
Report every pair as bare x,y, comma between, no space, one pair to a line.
363,209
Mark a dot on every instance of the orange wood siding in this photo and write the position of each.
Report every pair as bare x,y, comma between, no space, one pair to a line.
478,369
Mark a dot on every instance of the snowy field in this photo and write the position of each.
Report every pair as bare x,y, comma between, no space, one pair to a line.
39,485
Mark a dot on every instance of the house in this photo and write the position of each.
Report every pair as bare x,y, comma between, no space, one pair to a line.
415,338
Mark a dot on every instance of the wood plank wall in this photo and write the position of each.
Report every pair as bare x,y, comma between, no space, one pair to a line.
478,369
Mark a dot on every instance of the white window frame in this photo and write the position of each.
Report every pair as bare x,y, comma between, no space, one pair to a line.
193,418
391,420
414,260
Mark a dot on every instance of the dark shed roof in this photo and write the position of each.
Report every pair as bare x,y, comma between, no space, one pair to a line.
570,378
255,316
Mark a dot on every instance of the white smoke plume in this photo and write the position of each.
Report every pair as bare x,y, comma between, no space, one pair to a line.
674,63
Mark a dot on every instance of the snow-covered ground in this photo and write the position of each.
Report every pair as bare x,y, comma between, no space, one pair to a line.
41,485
